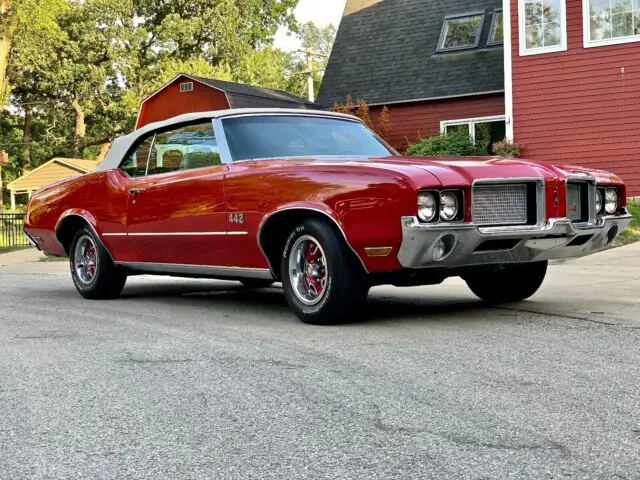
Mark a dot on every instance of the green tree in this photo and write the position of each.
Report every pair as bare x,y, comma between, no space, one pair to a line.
318,41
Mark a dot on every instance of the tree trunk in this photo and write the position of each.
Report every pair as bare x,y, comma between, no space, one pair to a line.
5,49
79,132
26,140
104,148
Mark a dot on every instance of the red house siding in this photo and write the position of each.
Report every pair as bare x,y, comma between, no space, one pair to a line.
578,106
170,102
412,121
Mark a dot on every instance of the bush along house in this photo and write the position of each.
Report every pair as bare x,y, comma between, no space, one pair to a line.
561,78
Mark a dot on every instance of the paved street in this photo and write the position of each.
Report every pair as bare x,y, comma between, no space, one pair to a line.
184,379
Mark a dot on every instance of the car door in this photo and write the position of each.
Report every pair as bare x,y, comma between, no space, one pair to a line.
177,209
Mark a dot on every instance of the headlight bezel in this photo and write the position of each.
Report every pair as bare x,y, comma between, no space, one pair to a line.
611,206
426,218
455,205
438,217
599,195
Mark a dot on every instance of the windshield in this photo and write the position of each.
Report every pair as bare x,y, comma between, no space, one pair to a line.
280,136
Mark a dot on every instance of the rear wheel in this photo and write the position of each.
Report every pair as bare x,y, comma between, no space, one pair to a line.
94,274
508,283
323,281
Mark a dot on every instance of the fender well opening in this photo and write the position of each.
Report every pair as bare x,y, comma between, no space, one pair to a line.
67,229
277,228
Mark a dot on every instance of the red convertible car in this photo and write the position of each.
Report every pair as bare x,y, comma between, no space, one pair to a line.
318,202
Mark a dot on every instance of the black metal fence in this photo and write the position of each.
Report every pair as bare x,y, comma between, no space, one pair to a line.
11,235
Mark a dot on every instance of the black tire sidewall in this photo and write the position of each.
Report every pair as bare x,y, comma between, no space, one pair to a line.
305,309
81,286
108,281
344,283
514,283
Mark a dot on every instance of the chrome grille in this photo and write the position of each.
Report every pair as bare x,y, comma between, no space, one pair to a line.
499,204
574,201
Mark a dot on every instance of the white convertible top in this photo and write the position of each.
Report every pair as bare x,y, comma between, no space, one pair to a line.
121,145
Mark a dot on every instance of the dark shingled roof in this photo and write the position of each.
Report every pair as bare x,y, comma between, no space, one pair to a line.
387,52
241,95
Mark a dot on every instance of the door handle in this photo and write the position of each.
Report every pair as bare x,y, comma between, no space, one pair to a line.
136,191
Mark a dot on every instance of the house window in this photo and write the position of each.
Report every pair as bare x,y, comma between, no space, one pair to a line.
542,25
483,131
608,22
496,37
460,32
186,87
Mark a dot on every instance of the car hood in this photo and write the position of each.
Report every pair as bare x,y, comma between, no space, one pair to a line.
451,171
465,171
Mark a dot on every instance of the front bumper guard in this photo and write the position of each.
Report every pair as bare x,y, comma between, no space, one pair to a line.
556,239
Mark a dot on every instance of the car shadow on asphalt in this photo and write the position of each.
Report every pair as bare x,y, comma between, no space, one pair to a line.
379,307
230,297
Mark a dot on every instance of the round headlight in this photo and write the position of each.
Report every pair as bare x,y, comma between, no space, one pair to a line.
598,201
610,201
426,207
448,206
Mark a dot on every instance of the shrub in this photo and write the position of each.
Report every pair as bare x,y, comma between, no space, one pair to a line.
453,144
506,148
361,110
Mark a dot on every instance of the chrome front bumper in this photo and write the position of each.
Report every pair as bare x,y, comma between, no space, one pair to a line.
558,238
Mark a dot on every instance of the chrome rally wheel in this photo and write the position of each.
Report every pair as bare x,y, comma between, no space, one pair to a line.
93,271
324,282
85,260
308,270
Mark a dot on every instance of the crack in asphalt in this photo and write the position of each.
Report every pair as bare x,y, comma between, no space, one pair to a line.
567,316
459,440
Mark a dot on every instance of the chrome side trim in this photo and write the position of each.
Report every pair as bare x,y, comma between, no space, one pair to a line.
269,215
198,270
31,240
174,234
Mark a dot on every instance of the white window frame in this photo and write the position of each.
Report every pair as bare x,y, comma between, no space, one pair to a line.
588,43
186,87
471,122
540,50
494,25
444,30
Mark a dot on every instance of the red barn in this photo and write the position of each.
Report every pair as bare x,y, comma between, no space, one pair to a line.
188,93
559,77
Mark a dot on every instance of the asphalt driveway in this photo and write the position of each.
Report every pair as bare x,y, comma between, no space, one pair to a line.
201,379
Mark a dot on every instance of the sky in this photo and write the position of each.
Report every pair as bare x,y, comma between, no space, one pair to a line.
320,12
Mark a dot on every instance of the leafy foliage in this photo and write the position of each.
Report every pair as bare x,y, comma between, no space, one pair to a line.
454,144
78,69
506,148
361,110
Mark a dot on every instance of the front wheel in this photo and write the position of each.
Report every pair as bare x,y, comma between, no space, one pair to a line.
324,282
508,283
94,274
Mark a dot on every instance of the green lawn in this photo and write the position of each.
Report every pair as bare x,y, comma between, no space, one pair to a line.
631,234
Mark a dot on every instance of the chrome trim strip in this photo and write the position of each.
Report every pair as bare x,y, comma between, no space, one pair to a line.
174,234
31,240
269,215
200,270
